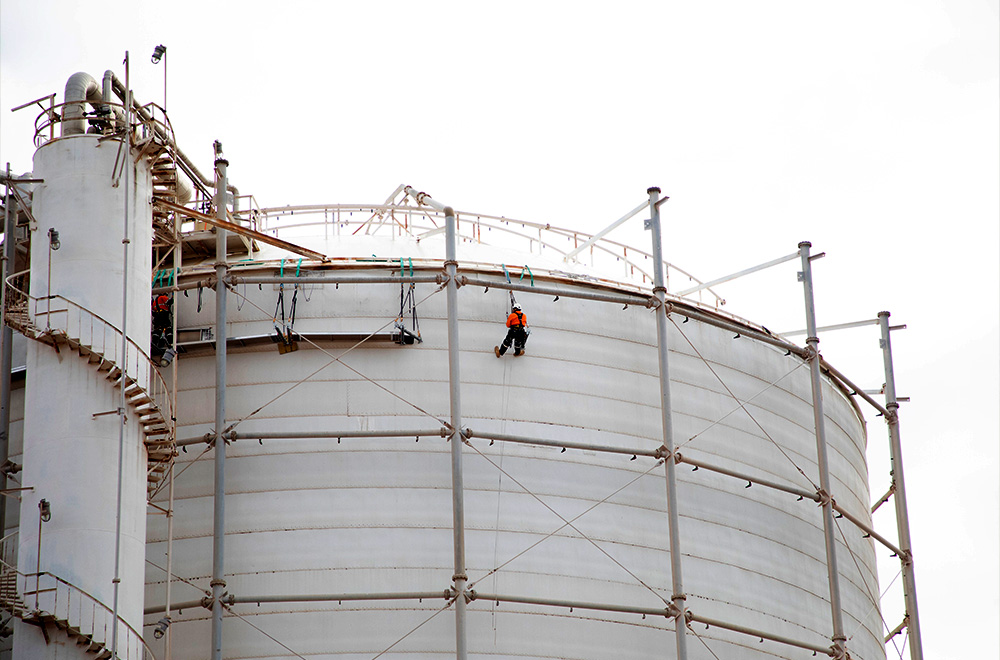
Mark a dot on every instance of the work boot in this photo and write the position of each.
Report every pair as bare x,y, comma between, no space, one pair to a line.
517,352
496,349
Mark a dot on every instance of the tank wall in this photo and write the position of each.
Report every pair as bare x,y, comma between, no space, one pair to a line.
322,516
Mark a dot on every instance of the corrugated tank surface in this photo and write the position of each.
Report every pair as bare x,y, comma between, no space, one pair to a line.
375,515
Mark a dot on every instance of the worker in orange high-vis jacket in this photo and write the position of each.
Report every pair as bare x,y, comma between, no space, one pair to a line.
517,332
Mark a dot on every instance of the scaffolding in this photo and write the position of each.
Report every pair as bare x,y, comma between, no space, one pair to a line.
420,218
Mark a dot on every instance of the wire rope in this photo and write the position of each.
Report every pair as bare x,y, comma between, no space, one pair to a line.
571,525
703,642
163,483
749,414
338,358
415,629
262,632
562,527
738,408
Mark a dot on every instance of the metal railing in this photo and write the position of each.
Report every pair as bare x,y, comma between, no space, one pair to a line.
419,222
44,597
58,319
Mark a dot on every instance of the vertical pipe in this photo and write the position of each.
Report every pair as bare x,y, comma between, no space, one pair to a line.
127,167
178,255
6,339
454,394
812,342
902,517
666,412
219,531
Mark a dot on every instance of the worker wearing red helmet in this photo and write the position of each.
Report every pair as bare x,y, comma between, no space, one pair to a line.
517,332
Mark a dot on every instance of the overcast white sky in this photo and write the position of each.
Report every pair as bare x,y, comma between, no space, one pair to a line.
868,128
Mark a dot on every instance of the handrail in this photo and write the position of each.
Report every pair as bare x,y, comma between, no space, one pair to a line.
86,608
156,386
416,221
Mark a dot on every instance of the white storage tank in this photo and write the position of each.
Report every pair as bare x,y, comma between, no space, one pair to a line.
373,515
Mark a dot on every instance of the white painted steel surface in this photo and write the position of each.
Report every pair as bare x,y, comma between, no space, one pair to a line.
70,457
363,515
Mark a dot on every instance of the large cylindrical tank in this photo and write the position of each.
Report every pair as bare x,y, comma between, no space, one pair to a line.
374,516
71,427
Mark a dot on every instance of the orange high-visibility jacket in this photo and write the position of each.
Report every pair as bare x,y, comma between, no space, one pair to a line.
517,319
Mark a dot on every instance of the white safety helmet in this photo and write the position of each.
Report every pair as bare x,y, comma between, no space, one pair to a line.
515,307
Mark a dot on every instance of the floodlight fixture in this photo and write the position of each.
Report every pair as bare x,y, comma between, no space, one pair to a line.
158,54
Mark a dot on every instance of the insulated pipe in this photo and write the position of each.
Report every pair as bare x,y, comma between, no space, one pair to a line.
189,167
833,573
81,87
219,531
912,618
460,577
666,411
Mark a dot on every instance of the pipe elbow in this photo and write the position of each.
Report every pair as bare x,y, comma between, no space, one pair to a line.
80,88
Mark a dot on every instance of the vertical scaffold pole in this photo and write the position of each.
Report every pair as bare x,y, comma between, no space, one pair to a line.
219,531
899,497
812,342
6,353
457,482
666,411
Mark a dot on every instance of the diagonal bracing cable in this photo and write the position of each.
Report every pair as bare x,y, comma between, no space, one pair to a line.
570,525
262,632
564,525
415,629
875,601
163,483
703,643
738,408
338,358
749,414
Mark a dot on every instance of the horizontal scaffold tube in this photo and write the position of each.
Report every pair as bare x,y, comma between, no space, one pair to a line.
750,333
555,602
749,478
444,594
209,438
759,633
338,278
557,290
524,440
854,388
869,531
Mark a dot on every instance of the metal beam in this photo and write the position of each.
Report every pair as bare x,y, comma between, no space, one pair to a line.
836,326
666,415
558,290
460,577
221,222
902,516
607,230
729,278
542,442
819,418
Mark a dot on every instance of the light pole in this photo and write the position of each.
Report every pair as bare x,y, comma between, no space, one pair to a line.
160,52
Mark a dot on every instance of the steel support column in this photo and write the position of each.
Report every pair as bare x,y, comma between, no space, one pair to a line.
219,530
902,517
812,342
457,482
6,348
666,411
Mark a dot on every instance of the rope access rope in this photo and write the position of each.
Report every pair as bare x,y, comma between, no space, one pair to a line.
735,398
562,527
571,526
